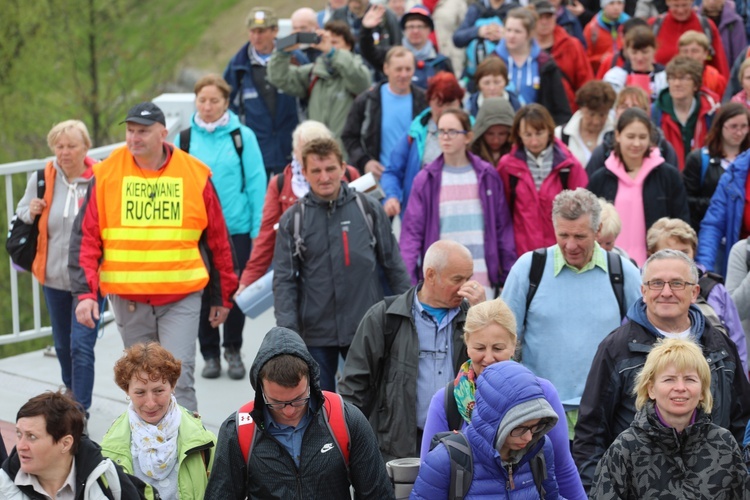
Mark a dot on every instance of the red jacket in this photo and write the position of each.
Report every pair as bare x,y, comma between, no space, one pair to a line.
570,56
670,32
532,209
609,61
672,130
599,43
714,81
275,205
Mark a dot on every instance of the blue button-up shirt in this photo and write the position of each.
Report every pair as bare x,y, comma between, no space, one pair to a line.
289,437
435,367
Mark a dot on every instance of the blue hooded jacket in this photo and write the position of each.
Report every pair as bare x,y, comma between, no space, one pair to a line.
507,395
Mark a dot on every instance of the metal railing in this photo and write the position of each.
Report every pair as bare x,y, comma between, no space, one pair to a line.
178,108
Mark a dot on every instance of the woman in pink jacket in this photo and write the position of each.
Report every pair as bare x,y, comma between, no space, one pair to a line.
537,168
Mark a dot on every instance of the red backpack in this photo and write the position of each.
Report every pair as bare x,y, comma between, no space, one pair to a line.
333,406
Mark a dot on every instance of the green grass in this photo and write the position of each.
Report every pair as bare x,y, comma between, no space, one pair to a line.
8,350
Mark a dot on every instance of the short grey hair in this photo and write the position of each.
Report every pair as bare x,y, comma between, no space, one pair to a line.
307,131
572,205
668,254
67,127
439,252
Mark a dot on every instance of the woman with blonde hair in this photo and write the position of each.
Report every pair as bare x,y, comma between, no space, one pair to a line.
490,337
672,449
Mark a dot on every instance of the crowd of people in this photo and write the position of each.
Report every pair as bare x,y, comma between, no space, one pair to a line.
564,314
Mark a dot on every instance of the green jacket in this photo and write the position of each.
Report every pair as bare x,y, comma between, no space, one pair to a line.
330,83
194,448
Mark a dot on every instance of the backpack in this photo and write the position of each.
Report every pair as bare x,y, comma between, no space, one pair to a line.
462,464
236,140
333,407
564,174
707,282
280,179
21,242
614,267
479,48
299,217
705,27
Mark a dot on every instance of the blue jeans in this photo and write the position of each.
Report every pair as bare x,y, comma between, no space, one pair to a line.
328,361
74,344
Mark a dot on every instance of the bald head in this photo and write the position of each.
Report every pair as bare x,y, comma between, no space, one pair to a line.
304,20
446,267
443,251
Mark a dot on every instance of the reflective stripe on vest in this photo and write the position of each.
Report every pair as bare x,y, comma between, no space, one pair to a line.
151,224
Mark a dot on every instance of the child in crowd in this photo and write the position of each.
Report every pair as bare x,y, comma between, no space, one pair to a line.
694,44
639,69
490,80
602,32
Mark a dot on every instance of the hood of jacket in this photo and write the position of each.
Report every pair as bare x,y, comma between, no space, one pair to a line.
502,50
729,15
615,165
280,341
507,395
418,125
494,111
637,313
667,438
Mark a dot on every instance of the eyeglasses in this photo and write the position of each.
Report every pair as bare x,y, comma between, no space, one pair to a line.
673,285
738,127
450,133
534,429
297,403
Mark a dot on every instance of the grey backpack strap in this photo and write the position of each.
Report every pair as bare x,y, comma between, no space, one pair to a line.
539,472
299,242
368,217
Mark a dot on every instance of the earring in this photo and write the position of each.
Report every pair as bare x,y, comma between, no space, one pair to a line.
127,398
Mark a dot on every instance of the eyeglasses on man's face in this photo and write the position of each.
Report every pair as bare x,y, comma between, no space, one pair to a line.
296,403
673,285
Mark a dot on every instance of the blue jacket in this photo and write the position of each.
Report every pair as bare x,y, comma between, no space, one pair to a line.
501,390
242,210
468,30
720,228
406,161
274,133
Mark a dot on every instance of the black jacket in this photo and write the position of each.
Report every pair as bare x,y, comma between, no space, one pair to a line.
608,406
91,467
663,192
272,472
602,151
361,134
551,93
699,194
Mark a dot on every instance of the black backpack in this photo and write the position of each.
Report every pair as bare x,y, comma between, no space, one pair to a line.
21,242
513,181
462,464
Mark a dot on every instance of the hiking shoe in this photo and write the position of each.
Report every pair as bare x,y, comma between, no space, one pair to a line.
236,368
212,368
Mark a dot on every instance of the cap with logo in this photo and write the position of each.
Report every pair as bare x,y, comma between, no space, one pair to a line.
145,113
262,17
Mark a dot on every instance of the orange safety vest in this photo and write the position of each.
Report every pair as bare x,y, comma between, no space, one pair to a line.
150,223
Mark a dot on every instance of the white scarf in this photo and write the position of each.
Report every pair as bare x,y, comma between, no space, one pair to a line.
300,186
155,445
210,127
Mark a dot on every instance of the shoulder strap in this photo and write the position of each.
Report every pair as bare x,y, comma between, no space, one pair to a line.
706,27
185,140
617,279
280,181
657,24
462,464
704,164
299,218
539,472
513,181
708,281
538,260
747,255
41,183
336,423
451,408
238,146
245,429
348,175
391,324
565,138
564,176
365,208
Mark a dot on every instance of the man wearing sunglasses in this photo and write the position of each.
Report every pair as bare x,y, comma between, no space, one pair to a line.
669,289
293,451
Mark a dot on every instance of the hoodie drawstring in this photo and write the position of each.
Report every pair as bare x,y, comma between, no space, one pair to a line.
71,196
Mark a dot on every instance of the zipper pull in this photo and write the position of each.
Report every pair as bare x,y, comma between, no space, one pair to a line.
510,477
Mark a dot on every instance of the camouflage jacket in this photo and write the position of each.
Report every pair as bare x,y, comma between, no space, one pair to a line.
650,460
